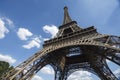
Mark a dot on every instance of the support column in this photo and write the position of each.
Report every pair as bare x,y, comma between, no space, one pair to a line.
101,68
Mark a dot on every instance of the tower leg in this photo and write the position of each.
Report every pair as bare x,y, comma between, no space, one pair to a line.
101,68
60,69
114,57
58,74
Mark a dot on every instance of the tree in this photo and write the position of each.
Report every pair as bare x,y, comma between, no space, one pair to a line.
4,67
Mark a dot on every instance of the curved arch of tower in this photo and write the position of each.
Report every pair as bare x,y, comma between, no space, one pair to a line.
72,49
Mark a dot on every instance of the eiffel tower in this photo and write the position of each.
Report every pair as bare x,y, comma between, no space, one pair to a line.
73,49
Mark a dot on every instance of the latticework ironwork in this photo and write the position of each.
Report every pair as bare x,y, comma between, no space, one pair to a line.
73,48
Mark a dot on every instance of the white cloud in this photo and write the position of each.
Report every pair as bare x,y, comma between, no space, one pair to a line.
108,61
8,21
3,29
80,75
36,77
7,58
23,33
117,72
47,70
50,29
32,40
45,39
35,42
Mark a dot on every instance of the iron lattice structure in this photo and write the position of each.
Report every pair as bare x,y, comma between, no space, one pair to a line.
72,49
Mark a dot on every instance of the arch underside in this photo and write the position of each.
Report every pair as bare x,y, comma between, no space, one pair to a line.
92,57
95,64
97,51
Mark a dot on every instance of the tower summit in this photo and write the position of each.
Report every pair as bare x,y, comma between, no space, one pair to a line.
68,26
67,18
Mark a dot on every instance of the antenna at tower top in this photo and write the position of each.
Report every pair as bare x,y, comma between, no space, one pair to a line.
67,18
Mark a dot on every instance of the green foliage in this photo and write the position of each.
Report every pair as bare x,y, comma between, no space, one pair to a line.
4,67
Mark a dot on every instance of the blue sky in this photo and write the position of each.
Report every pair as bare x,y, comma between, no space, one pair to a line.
25,24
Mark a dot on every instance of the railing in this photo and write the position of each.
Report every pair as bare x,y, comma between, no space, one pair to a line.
80,33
